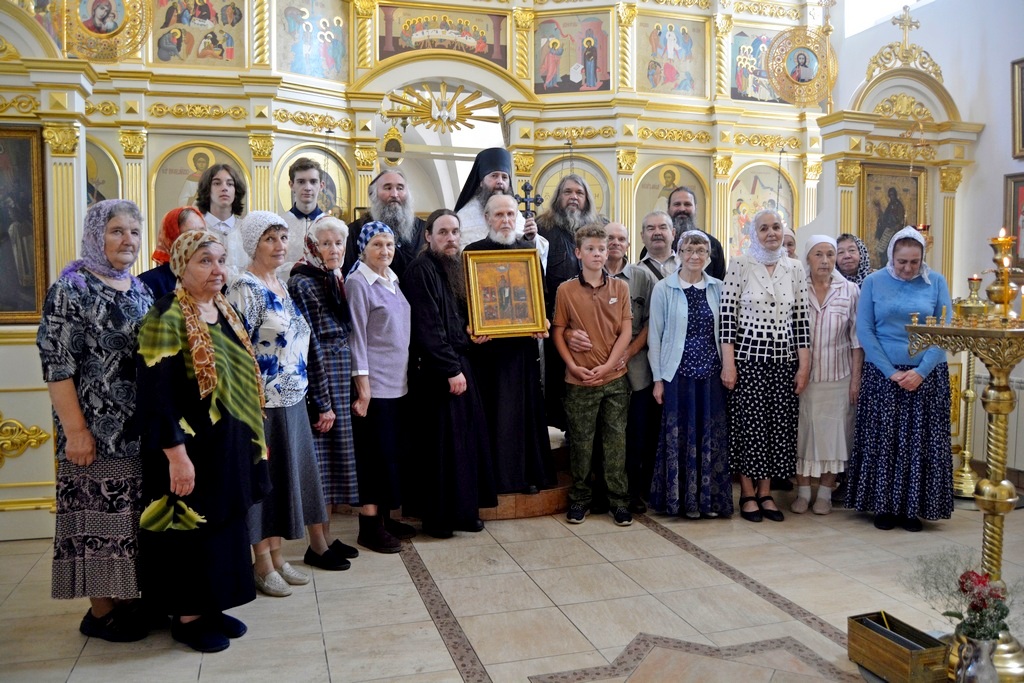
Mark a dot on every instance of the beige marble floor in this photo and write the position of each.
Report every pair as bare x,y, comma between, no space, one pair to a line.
663,600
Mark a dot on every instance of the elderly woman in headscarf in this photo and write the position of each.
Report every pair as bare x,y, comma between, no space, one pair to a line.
765,362
317,287
176,221
87,332
381,329
289,360
852,259
789,242
205,452
900,467
828,404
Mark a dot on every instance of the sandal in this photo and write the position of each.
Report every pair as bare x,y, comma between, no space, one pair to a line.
752,515
774,515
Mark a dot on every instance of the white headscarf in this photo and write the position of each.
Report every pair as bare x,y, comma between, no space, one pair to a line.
758,252
815,240
908,233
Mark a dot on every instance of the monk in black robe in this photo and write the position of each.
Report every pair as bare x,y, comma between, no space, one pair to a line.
454,466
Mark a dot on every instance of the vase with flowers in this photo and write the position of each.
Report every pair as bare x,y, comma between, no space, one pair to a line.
981,619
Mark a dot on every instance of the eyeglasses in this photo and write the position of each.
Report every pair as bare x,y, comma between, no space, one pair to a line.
698,252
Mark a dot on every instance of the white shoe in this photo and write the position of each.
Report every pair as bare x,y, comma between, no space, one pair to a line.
799,505
272,584
822,506
293,575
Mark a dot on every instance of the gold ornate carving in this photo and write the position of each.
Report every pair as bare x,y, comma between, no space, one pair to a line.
900,151
904,53
574,133
318,122
523,19
124,41
23,104
703,4
723,164
768,9
62,139
848,173
626,159
107,108
262,146
950,178
674,135
197,111
627,13
261,33
16,438
723,27
766,141
366,10
523,163
903,106
366,157
812,171
8,53
133,142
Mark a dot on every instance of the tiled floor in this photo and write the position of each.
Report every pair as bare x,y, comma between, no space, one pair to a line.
537,599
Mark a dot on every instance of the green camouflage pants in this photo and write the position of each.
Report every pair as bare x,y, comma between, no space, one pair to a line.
586,409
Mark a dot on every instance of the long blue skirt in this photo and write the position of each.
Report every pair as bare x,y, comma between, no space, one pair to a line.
691,468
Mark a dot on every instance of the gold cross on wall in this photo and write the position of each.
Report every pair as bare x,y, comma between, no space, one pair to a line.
906,23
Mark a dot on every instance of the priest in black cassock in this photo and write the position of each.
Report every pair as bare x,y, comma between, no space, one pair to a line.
508,374
454,471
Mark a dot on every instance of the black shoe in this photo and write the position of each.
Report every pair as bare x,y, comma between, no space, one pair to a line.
200,635
476,526
372,535
637,506
329,560
621,515
399,530
773,515
577,513
143,614
346,551
228,625
752,515
437,531
911,523
114,627
885,521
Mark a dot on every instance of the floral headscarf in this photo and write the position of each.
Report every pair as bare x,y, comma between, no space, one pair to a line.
312,265
369,231
864,267
169,231
908,233
93,254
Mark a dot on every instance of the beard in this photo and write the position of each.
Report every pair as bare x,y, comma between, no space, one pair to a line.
483,194
453,272
572,219
500,238
681,223
399,217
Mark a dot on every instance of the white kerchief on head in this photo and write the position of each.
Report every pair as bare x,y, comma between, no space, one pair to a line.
815,240
758,252
908,233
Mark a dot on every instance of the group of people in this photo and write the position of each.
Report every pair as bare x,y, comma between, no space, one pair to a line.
273,367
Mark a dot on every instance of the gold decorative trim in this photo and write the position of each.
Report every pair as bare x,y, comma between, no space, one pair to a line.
723,165
261,33
768,9
107,108
812,171
523,163
8,53
723,27
23,104
574,133
626,159
523,19
703,4
133,142
627,15
443,112
848,173
366,158
900,151
16,438
124,41
262,146
905,53
19,504
768,142
318,122
674,135
950,178
197,111
366,11
62,139
903,106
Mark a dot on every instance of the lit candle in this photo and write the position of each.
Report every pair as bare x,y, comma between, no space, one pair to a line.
1002,233
974,278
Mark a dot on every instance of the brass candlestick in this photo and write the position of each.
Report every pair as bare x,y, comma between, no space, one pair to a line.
965,479
1002,292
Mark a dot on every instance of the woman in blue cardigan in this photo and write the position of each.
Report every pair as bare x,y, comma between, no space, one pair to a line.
900,467
691,469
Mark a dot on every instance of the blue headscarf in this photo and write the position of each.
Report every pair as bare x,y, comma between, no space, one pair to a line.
93,254
367,233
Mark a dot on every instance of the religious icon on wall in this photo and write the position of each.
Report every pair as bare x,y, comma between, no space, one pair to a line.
199,32
102,31
655,186
313,38
1013,219
506,297
101,16
43,11
406,29
756,188
549,178
334,198
22,226
671,56
802,65
891,198
750,77
572,54
102,180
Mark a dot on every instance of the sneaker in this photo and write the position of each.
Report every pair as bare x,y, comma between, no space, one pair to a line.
577,513
622,516
112,627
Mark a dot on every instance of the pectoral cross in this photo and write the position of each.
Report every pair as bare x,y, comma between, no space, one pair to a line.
530,202
906,23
